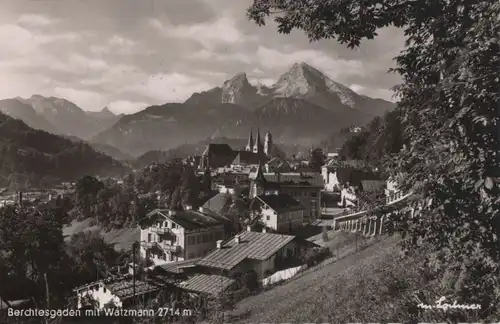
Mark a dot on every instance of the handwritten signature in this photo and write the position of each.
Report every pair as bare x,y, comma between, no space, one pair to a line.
441,305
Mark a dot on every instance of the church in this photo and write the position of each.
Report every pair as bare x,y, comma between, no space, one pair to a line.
255,152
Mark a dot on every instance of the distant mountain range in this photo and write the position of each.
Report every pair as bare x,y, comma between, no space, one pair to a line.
58,116
303,107
36,154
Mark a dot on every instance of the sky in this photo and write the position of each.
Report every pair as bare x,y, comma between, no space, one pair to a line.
130,54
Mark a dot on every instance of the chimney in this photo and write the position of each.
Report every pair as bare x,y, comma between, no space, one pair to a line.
219,244
188,207
171,213
200,209
237,239
264,230
249,228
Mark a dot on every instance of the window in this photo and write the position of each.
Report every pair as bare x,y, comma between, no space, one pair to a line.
314,194
305,193
198,239
150,237
160,239
174,225
104,289
268,217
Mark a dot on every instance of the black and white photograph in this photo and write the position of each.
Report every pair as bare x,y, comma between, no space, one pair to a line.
249,161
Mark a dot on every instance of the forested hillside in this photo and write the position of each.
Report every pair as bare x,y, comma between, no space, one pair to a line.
35,156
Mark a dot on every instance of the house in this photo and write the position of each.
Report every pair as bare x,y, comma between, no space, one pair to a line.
304,187
331,176
260,252
120,292
280,212
349,193
168,236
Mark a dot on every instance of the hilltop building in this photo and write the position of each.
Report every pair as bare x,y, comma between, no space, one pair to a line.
222,155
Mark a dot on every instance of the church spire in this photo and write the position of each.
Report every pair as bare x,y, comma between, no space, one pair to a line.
259,176
249,146
258,144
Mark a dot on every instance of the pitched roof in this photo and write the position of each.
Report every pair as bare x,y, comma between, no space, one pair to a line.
176,267
281,203
218,203
252,245
208,284
355,176
188,219
247,157
313,179
218,149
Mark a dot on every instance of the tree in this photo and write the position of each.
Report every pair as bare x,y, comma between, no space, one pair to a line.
449,103
317,159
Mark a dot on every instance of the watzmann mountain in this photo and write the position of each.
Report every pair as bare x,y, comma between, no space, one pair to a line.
302,107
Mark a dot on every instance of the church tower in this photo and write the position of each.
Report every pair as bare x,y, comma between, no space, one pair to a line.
268,144
257,148
249,146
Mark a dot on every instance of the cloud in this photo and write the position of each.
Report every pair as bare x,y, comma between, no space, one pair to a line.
116,44
169,87
335,68
126,107
379,93
209,34
206,55
265,81
85,99
34,20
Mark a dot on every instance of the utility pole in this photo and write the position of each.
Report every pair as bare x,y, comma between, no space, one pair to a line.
47,290
133,270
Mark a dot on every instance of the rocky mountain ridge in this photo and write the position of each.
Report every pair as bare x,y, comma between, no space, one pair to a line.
303,107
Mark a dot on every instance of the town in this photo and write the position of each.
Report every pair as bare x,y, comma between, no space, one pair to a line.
253,161
248,219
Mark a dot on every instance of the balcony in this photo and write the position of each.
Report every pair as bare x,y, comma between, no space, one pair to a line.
171,248
148,245
163,231
161,246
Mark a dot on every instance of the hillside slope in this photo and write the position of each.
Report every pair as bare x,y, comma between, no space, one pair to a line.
357,288
40,154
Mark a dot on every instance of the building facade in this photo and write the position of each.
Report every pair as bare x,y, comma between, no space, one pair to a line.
170,236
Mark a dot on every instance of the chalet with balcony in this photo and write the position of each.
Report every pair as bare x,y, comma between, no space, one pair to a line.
169,236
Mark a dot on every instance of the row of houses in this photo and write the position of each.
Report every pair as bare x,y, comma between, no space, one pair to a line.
217,271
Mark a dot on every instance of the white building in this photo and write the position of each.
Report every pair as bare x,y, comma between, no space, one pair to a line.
169,236
280,212
117,293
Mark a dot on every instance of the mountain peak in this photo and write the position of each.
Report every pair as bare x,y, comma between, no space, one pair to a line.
106,111
238,90
239,79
